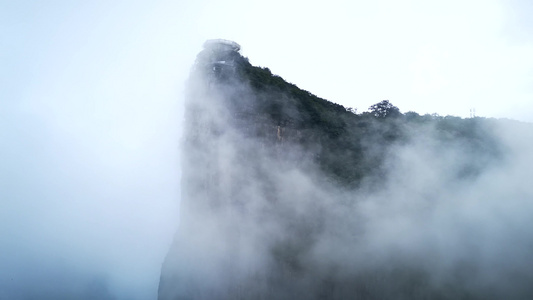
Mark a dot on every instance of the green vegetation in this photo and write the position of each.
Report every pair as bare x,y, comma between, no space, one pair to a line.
354,146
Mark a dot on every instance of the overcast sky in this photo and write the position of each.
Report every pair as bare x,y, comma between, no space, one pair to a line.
90,109
440,57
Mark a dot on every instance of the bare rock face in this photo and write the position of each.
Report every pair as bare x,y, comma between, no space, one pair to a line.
236,162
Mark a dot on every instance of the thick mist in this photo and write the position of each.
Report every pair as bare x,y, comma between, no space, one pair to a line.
260,219
90,118
88,206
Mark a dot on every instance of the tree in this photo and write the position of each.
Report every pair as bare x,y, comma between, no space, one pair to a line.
384,109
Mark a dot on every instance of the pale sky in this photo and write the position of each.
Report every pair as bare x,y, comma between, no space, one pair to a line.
90,104
440,57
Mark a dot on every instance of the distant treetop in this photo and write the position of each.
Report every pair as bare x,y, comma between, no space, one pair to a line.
384,109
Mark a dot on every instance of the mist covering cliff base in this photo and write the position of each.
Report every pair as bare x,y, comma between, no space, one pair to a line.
290,196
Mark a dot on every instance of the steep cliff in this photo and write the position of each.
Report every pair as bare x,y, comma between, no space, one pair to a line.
277,184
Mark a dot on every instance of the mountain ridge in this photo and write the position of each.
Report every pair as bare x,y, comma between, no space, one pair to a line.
281,190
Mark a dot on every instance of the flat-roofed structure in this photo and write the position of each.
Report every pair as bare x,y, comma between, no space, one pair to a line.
221,44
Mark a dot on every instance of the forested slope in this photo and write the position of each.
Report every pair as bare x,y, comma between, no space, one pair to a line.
286,195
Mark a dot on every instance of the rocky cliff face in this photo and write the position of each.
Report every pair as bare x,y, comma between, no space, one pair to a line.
236,157
289,196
